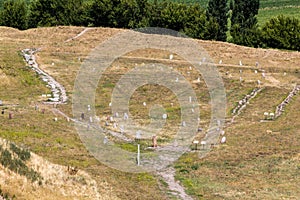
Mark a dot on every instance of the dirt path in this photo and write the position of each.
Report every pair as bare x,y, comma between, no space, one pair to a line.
59,95
175,188
78,35
242,104
282,105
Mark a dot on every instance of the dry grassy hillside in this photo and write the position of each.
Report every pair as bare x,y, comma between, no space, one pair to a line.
260,159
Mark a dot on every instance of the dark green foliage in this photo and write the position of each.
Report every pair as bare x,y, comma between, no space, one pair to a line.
21,153
5,158
54,12
244,29
14,14
16,163
188,19
217,16
120,13
282,32
195,26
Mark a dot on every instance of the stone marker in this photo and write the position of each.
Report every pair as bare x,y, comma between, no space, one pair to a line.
154,141
122,129
105,140
164,116
258,82
196,142
223,140
138,135
115,125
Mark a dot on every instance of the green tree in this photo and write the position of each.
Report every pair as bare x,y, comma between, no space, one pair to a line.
282,32
195,25
102,13
120,13
173,16
133,13
244,29
14,14
57,12
217,12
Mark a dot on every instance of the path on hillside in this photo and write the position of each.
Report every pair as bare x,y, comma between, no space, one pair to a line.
59,95
78,35
59,92
175,188
186,62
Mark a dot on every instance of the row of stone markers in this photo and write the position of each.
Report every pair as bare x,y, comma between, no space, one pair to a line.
242,103
58,95
281,106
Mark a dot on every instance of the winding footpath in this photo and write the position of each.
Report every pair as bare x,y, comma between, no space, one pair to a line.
282,105
78,35
59,95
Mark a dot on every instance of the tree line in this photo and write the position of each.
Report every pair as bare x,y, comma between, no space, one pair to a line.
223,20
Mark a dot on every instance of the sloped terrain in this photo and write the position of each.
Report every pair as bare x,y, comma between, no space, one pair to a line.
260,159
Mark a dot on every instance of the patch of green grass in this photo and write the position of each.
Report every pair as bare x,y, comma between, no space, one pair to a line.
278,3
265,15
19,136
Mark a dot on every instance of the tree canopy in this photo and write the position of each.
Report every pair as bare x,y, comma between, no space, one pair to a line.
14,14
224,20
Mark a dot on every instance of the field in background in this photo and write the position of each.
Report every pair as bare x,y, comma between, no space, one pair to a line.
254,164
268,8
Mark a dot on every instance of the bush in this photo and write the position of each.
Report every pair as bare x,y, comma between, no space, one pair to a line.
282,32
5,158
17,164
21,153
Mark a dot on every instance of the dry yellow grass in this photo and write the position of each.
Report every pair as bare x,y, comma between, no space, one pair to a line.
57,182
253,159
